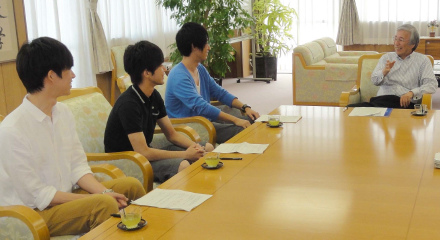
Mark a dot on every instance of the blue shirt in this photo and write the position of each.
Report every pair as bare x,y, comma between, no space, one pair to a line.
183,100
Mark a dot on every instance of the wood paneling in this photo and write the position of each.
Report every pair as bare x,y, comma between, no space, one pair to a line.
3,110
369,47
246,50
20,22
14,89
103,81
432,47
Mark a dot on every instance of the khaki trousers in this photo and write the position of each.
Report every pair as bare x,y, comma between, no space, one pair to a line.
82,215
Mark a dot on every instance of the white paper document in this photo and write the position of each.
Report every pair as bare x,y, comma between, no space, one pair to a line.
241,148
172,199
284,119
368,111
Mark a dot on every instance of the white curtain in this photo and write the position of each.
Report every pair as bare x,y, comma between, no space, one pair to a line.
349,32
67,21
129,21
380,18
316,19
101,52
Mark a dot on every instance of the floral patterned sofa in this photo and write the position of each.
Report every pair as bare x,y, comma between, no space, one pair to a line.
321,73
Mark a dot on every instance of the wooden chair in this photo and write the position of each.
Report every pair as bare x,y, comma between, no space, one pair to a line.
364,89
21,222
91,111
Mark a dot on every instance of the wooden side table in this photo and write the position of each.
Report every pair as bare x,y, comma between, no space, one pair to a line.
430,46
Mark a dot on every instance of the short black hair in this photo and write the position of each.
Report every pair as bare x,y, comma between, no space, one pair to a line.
142,56
191,34
37,58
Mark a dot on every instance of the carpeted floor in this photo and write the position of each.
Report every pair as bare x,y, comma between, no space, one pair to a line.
265,97
261,96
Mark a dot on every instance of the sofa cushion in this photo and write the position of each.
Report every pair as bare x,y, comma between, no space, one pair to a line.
336,58
341,72
311,52
328,46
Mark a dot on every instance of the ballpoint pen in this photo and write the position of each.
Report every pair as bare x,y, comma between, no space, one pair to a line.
225,158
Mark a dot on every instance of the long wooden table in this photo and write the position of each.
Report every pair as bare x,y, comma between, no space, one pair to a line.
328,176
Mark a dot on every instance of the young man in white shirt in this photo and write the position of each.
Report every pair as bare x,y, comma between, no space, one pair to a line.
42,159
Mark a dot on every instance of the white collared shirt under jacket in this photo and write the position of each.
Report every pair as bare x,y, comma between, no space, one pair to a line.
39,155
414,73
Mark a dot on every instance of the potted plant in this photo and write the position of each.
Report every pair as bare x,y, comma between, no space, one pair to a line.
432,26
273,24
220,18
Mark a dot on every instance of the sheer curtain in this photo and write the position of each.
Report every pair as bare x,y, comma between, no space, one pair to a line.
126,22
380,19
66,21
316,19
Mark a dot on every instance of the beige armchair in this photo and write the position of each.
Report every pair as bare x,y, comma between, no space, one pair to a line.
91,110
21,222
363,90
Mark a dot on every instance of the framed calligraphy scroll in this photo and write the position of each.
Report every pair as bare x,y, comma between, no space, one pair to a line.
8,32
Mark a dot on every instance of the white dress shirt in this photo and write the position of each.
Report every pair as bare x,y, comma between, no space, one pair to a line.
39,155
414,73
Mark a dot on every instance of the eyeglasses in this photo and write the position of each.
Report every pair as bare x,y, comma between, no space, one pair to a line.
394,39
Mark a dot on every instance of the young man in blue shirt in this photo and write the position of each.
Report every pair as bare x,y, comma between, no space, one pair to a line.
190,87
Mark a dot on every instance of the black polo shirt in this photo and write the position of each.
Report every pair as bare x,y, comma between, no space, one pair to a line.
133,112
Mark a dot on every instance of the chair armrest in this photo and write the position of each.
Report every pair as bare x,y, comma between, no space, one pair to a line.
108,169
200,120
137,158
345,96
427,99
216,103
28,216
189,131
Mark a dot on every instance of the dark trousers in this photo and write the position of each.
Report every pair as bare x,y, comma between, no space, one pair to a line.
388,101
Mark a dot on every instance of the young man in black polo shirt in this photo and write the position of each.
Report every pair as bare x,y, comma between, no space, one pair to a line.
132,121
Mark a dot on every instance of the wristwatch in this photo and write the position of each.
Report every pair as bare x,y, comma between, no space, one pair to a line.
107,191
243,108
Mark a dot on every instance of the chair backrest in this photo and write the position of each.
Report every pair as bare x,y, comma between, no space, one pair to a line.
91,110
366,66
117,54
312,52
328,45
124,83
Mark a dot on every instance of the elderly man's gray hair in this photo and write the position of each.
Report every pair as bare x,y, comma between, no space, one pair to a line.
415,38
